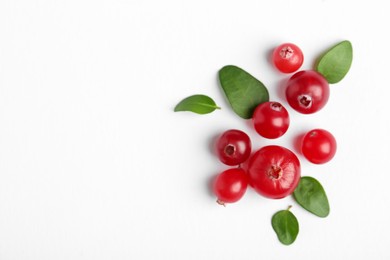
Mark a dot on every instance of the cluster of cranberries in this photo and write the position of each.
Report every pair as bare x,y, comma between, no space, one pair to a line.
274,171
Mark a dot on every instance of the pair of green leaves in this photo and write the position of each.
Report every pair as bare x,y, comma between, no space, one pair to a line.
311,196
243,91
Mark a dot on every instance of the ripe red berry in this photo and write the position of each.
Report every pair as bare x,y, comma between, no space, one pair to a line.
287,57
233,147
271,120
230,185
274,171
307,91
319,146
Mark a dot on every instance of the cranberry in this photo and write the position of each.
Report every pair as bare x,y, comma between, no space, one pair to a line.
307,91
233,147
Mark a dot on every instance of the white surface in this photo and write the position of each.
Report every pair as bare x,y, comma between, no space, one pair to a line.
94,163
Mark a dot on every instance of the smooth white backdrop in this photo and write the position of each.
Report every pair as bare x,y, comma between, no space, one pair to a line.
94,163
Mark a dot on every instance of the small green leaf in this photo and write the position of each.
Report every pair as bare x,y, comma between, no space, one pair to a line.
243,91
311,196
199,104
336,62
286,226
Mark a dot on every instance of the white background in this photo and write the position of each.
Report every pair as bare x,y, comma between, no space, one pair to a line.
94,163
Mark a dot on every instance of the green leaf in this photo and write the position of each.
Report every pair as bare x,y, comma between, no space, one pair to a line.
199,104
336,62
311,196
243,91
286,226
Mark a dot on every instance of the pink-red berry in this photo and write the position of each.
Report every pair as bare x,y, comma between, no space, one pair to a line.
287,57
271,120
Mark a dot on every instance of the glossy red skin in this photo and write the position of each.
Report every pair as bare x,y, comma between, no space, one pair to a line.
233,147
271,120
287,57
230,185
264,176
319,146
307,91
